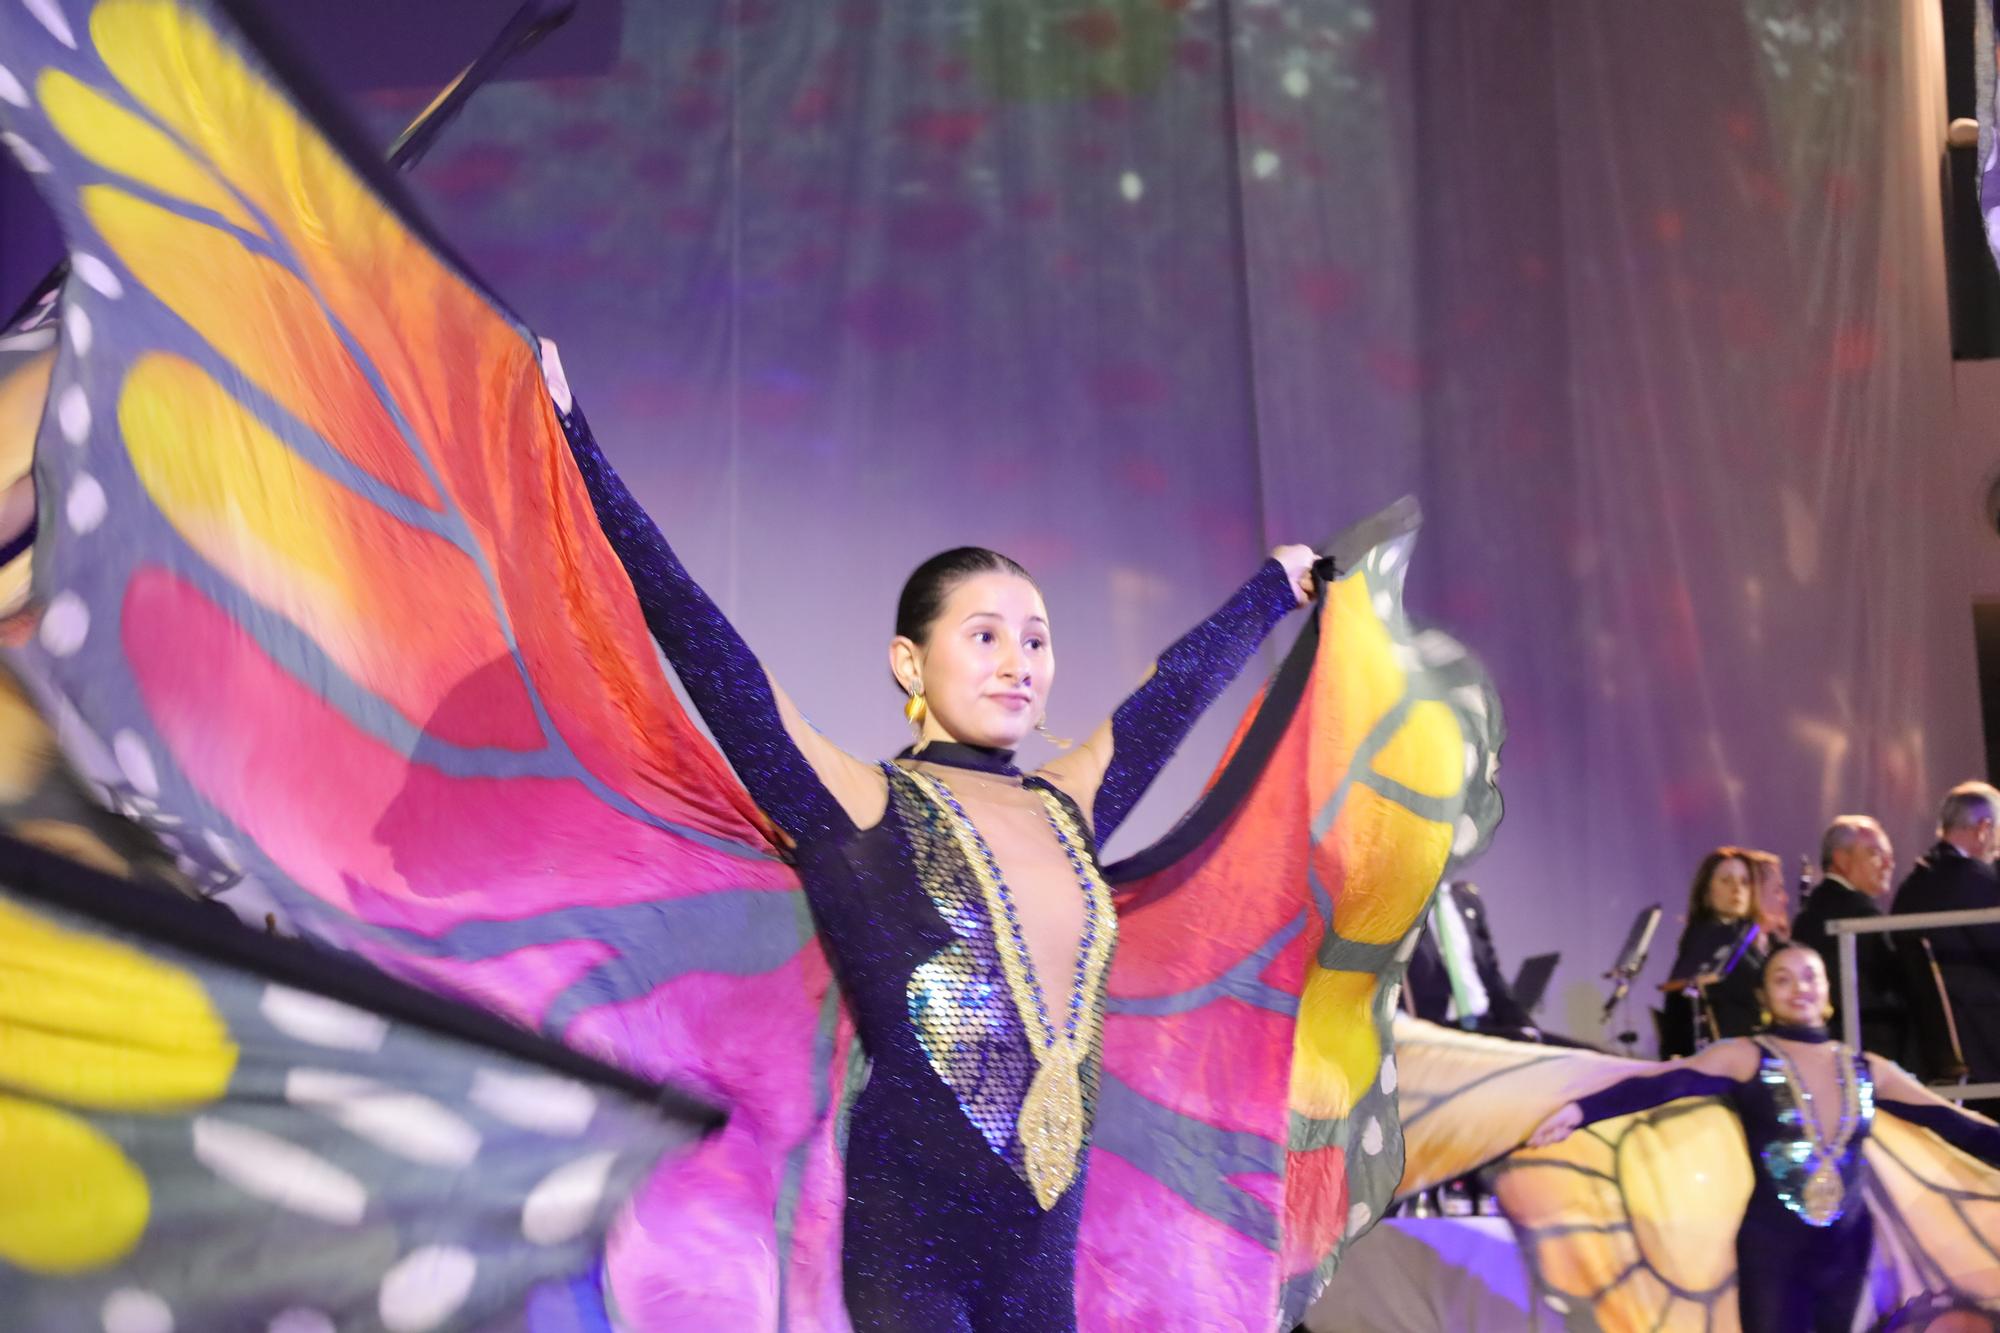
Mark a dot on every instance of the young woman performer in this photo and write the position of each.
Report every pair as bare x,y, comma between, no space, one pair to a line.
961,901
1806,1103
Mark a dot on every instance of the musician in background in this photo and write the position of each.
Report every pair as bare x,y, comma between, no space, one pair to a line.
1455,976
1957,874
1722,950
1772,894
1860,865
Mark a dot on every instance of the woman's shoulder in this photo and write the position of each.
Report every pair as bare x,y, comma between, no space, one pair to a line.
1734,1058
1711,928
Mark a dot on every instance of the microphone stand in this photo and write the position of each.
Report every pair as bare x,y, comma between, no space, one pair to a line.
1627,1036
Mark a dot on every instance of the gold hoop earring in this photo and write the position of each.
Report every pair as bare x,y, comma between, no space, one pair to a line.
1060,742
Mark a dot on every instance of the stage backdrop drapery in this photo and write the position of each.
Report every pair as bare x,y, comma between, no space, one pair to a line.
1645,303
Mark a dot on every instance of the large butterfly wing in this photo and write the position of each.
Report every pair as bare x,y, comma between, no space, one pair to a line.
1247,1125
1937,1216
1627,1224
324,603
1468,1100
209,1128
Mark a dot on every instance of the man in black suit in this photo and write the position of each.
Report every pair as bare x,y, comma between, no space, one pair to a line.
1954,875
1858,866
1455,975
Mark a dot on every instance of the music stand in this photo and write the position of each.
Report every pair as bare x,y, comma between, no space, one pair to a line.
1531,983
1631,959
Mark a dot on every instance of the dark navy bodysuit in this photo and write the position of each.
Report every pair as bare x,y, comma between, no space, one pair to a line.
965,1149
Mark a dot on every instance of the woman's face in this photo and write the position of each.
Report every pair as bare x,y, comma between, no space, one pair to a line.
986,665
1795,989
1729,890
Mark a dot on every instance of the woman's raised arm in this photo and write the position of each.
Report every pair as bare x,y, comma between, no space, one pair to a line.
1108,773
807,785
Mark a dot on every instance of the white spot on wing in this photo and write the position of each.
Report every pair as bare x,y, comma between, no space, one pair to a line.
300,1320
405,1123
1467,836
50,16
85,506
267,1167
540,1102
96,275
426,1288
131,1310
73,414
322,1022
65,625
29,156
563,1204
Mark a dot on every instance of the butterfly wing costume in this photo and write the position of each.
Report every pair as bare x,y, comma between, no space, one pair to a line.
324,602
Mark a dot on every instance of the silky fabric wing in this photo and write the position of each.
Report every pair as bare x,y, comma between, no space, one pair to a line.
1247,1129
316,578
210,1128
1630,1223
343,633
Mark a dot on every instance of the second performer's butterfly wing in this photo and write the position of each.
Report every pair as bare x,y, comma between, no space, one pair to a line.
1247,1124
1629,1223
1468,1100
324,604
1937,1216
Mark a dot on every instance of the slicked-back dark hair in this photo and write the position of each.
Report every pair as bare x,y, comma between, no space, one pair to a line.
1789,946
930,583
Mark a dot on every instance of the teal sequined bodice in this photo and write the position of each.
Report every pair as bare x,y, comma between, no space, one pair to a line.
1808,1157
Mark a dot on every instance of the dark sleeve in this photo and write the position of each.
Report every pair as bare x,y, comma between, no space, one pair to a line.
1953,885
1978,1138
1810,930
1642,1092
1696,945
1155,718
720,673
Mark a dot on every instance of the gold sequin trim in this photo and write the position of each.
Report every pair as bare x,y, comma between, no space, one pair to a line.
1052,1122
1825,1194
